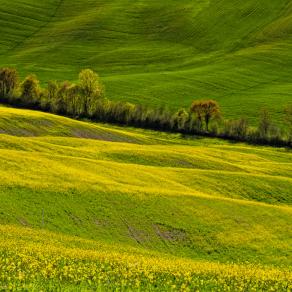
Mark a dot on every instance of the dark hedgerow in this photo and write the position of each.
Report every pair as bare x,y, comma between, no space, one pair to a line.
86,99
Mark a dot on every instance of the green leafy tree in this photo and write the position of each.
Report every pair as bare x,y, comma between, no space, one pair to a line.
49,95
91,89
52,90
180,119
72,100
30,89
61,101
8,81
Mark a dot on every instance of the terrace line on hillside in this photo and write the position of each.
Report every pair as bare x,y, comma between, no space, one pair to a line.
159,52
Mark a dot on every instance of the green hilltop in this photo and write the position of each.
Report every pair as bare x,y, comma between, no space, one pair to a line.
159,52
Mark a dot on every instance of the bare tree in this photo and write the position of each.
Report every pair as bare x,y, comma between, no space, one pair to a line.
265,123
205,110
288,120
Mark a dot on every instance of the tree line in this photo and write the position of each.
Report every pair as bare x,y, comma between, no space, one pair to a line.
86,99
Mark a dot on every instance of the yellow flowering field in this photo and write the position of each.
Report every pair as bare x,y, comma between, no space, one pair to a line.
35,260
135,210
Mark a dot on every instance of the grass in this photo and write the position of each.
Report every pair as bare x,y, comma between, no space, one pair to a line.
155,53
104,200
48,261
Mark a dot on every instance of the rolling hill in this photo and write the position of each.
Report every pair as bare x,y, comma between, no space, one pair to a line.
88,204
159,52
95,207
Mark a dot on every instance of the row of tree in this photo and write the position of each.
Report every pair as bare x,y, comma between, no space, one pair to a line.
86,99
74,99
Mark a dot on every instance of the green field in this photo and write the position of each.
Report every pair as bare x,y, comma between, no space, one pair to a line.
159,52
87,206
100,199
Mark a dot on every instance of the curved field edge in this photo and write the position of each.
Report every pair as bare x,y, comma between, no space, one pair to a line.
151,161
30,123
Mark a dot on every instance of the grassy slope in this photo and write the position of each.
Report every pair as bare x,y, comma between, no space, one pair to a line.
237,52
196,198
